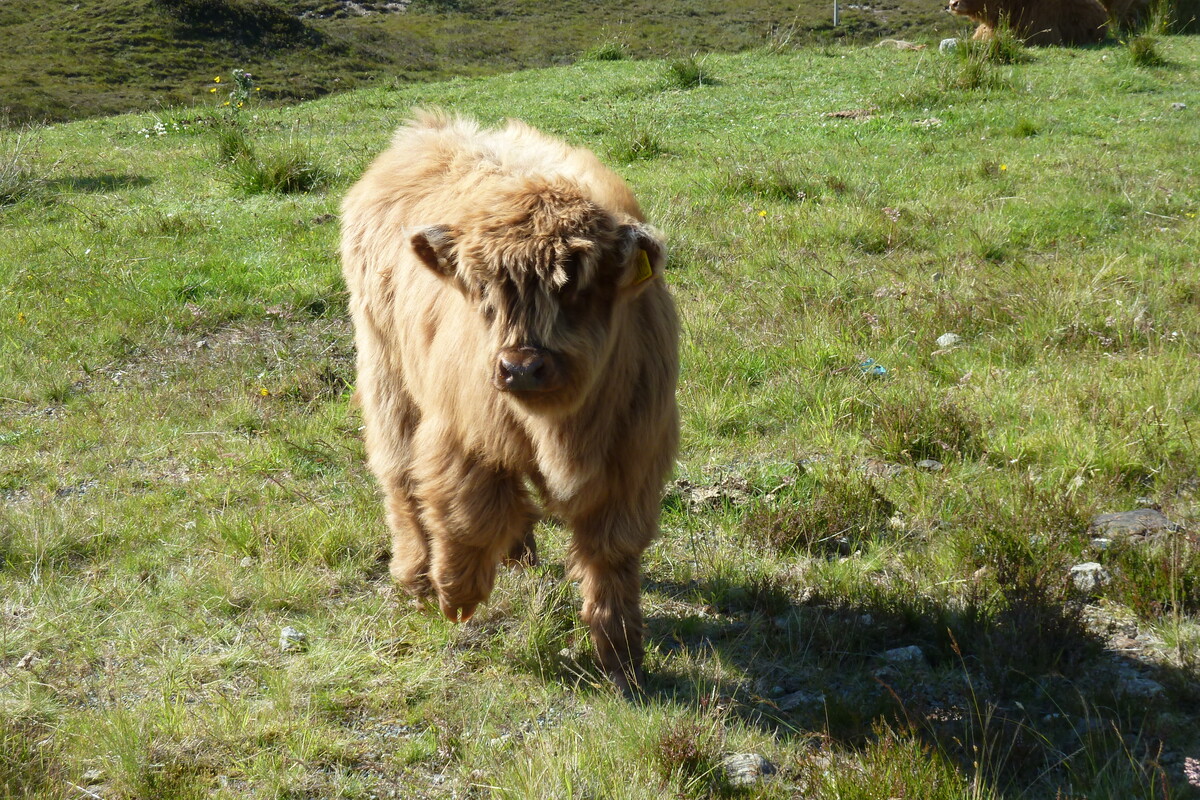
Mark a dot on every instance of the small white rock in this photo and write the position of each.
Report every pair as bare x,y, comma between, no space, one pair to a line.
948,340
292,640
948,45
1178,106
1090,576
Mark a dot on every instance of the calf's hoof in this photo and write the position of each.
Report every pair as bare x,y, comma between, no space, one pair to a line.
630,681
457,611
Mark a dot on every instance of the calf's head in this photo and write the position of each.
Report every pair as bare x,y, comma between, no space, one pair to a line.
549,274
969,8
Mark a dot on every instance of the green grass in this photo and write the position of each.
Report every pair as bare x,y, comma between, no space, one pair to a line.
65,60
182,473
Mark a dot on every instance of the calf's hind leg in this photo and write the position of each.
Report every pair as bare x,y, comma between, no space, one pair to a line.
390,419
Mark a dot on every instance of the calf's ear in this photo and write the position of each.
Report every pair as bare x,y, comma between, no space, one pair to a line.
648,257
434,245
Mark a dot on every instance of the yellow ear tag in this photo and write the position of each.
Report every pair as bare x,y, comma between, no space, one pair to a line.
644,271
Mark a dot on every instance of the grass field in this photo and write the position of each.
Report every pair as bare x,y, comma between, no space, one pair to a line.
181,474
64,59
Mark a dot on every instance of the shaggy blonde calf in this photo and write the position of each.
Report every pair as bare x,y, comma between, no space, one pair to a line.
513,329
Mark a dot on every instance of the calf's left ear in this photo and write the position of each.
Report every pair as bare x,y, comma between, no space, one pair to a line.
648,256
435,247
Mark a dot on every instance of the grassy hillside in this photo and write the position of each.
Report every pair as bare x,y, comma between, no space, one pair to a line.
181,474
64,59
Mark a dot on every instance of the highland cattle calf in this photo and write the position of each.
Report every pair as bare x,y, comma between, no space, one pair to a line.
1038,22
513,332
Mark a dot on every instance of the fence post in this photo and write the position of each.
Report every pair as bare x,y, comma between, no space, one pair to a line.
835,13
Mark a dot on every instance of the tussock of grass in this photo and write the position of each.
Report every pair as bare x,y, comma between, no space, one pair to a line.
781,181
18,178
687,73
833,516
291,169
29,761
608,50
636,140
972,65
1143,51
687,752
908,432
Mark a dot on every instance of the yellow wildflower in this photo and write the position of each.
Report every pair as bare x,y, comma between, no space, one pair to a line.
213,89
1004,167
762,213
262,392
217,79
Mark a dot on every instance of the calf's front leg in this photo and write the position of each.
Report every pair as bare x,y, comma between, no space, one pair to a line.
606,560
475,513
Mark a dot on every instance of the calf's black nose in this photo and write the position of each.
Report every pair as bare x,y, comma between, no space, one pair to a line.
522,370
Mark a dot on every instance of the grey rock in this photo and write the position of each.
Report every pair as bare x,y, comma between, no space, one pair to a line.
929,465
292,640
905,655
1139,686
948,340
746,769
1101,543
1142,523
948,45
1178,106
791,702
1089,577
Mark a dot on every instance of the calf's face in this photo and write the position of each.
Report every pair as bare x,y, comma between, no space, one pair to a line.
967,8
548,279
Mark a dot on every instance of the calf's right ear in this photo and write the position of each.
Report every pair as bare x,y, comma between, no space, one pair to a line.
435,247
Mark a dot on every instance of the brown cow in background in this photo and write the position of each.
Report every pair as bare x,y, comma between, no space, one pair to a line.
1038,22
512,328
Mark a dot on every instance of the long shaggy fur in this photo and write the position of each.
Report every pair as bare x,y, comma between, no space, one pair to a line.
471,254
1038,22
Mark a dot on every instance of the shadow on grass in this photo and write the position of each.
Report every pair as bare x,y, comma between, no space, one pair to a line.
93,184
1022,697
